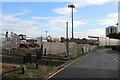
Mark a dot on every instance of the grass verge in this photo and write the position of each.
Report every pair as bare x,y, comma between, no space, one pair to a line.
30,72
41,72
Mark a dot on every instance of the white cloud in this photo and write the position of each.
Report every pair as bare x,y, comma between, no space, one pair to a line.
9,18
21,13
40,18
111,19
84,3
59,21
32,27
108,22
77,23
24,27
12,17
93,32
63,10
47,0
27,30
81,3
62,23
18,25
1,23
113,15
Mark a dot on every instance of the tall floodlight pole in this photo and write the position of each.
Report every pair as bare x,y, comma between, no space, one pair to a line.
117,27
6,37
67,30
46,34
72,6
67,43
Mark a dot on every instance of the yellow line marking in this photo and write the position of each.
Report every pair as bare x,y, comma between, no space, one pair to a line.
67,66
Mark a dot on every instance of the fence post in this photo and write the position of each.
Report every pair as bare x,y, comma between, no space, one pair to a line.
41,49
23,69
45,52
24,59
36,65
29,58
46,63
38,56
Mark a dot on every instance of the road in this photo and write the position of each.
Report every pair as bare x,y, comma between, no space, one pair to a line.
115,54
97,64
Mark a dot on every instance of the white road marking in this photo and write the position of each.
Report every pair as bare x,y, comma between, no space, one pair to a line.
115,58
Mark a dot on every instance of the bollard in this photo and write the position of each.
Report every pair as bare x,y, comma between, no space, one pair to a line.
38,54
23,69
41,49
23,59
36,65
28,58
46,63
45,52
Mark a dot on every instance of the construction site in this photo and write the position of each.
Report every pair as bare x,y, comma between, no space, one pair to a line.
52,45
28,51
47,48
20,52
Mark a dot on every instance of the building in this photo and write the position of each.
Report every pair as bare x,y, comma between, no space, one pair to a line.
15,41
11,41
111,30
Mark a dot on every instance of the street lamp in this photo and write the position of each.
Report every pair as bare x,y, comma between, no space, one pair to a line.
72,6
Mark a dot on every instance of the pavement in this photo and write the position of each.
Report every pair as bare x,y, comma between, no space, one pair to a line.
97,64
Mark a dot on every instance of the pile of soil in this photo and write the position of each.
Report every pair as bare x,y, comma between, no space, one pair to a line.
6,66
18,51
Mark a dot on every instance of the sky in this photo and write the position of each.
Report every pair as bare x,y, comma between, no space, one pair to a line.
91,17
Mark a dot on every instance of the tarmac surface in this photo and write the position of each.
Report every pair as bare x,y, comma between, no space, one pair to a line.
97,64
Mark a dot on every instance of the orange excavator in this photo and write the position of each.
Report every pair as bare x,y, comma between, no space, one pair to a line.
26,43
23,42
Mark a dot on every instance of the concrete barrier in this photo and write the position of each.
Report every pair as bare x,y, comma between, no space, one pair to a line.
60,48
